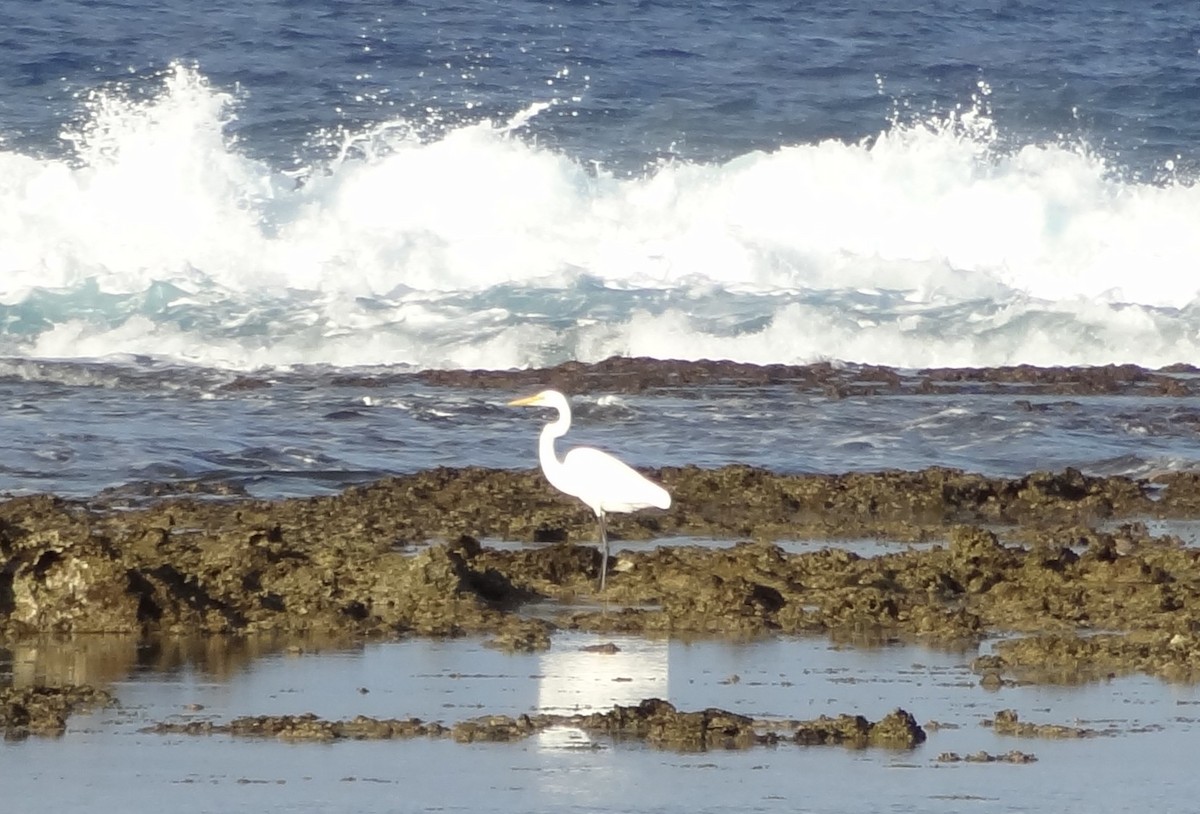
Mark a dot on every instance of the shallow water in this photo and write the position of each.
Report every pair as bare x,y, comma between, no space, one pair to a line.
78,429
1144,764
207,189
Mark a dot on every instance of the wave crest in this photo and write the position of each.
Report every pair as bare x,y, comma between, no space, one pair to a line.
926,245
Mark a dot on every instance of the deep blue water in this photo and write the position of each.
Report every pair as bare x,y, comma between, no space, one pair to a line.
702,81
513,184
191,190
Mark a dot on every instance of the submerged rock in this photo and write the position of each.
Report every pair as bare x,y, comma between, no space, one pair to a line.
1069,657
633,375
307,727
28,711
659,723
654,721
1007,722
899,730
1015,756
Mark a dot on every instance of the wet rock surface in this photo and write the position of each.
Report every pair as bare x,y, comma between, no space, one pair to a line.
634,375
1008,722
1015,756
308,727
26,711
1055,555
640,375
1172,653
897,730
653,721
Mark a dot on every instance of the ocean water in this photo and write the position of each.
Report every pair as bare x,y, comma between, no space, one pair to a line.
486,184
1141,759
76,429
325,198
298,189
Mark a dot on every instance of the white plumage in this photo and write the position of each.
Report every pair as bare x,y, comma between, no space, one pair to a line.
604,483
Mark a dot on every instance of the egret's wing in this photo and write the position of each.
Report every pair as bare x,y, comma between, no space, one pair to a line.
611,485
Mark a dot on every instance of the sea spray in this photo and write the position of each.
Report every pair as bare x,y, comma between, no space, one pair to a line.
935,242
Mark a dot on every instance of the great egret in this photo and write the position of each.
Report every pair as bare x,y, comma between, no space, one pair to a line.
601,481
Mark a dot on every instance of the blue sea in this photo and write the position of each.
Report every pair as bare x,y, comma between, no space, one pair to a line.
296,190
233,233
514,184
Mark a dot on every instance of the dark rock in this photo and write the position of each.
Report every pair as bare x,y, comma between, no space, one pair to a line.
653,720
26,711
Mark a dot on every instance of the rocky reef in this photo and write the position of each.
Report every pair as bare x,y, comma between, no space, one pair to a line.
28,711
1054,555
654,721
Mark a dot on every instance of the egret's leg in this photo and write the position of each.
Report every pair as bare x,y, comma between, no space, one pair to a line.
603,550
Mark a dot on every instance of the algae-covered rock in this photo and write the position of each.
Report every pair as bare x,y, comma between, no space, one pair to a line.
1008,722
28,711
306,727
898,730
624,374
57,574
661,724
1068,657
361,564
1015,756
494,729
654,721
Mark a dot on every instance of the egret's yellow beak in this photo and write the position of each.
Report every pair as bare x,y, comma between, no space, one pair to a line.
536,398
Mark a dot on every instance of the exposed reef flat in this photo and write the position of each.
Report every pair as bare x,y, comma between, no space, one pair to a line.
654,721
636,375
1045,555
28,711
644,375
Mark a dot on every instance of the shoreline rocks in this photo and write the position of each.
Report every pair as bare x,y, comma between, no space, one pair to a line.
1046,555
653,721
26,711
636,375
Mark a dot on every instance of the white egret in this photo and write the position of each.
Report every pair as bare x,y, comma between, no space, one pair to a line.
601,481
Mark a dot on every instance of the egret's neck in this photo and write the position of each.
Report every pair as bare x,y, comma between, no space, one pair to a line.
551,465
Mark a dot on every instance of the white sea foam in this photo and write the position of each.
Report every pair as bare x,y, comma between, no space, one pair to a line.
927,245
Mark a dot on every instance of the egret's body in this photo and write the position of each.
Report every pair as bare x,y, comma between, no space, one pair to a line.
604,483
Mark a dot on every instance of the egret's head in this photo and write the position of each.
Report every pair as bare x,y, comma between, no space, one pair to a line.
546,398
536,400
